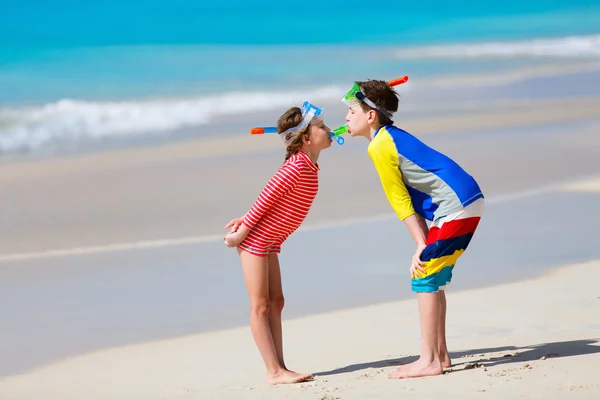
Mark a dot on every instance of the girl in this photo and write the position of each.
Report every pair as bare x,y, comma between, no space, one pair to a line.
277,213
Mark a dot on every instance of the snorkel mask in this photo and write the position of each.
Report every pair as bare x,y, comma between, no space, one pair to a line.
310,113
356,95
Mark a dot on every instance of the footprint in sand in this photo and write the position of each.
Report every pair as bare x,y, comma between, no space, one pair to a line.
573,387
512,371
549,355
365,376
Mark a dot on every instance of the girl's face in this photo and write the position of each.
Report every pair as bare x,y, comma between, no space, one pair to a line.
318,135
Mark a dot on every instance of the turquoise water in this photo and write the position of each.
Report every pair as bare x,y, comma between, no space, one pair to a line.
67,23
72,70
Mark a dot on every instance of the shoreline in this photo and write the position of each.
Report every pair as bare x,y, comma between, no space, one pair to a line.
477,91
507,115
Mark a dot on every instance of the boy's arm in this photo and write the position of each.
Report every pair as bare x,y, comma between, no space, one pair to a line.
282,182
418,229
385,159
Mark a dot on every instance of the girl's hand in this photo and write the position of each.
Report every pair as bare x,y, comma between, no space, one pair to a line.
234,224
416,267
233,239
237,234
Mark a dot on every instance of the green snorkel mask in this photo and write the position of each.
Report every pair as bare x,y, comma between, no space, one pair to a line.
355,96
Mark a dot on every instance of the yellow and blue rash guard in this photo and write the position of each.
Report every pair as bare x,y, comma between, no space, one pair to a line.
418,179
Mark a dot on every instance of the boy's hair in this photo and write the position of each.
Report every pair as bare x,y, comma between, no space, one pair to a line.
290,119
380,93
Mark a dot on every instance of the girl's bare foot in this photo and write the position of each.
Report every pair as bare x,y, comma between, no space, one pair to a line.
445,361
285,377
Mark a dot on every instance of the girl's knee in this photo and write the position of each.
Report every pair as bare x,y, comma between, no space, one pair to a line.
260,306
264,305
277,303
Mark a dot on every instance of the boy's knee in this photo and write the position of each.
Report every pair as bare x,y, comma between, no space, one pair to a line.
277,303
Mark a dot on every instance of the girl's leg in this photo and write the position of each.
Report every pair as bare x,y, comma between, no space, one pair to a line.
276,305
256,277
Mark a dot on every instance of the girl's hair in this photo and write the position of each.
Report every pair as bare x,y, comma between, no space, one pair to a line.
290,119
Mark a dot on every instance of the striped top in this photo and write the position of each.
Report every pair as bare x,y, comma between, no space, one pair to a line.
286,199
419,179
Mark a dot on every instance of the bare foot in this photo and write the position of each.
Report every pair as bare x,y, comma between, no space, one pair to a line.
445,360
285,377
417,369
405,366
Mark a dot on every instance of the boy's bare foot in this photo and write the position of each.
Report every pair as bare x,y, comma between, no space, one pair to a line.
445,361
286,377
409,365
417,369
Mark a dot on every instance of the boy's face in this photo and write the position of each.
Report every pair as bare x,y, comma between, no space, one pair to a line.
358,120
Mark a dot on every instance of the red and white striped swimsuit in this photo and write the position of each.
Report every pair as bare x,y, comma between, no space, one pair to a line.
281,206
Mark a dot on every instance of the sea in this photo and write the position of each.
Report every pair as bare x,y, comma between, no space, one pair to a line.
75,74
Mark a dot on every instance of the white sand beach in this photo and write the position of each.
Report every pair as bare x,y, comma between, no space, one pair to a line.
535,339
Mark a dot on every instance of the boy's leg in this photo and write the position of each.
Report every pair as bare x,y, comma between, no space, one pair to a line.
256,277
445,360
432,309
447,239
429,362
442,346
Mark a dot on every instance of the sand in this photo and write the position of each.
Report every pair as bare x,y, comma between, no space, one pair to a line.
535,339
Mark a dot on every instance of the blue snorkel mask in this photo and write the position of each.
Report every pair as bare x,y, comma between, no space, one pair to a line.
310,113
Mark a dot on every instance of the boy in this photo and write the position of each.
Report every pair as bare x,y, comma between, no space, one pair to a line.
420,184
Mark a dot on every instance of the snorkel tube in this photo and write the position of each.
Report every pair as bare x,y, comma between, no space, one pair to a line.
336,134
309,112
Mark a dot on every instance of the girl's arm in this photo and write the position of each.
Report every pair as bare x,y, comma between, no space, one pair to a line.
282,182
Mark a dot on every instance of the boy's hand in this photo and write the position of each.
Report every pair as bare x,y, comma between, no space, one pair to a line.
416,268
234,224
